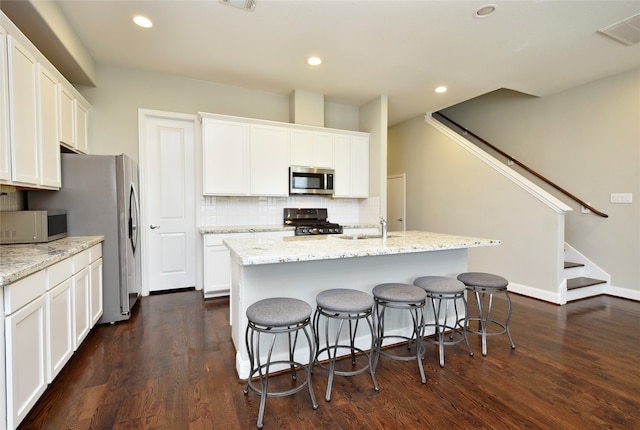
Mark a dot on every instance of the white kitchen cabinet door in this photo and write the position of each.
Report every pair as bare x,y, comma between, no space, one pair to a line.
342,178
48,107
5,148
301,151
59,327
67,117
269,167
26,351
312,149
96,285
82,127
352,167
359,166
225,147
323,150
217,264
23,95
81,307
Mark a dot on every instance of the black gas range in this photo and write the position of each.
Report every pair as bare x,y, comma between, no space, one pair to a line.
310,221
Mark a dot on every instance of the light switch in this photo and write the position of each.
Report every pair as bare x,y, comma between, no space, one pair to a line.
621,197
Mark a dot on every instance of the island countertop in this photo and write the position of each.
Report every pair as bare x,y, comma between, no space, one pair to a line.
20,261
325,247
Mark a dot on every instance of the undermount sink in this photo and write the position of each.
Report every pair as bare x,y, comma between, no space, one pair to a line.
363,236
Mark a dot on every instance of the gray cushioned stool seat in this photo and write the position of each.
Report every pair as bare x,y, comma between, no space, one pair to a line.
344,300
340,305
278,311
484,280
403,297
396,292
440,290
440,284
271,318
488,284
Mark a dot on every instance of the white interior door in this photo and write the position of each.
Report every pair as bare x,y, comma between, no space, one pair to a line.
396,203
168,196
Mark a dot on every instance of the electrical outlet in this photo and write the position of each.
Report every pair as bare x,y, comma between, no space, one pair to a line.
621,197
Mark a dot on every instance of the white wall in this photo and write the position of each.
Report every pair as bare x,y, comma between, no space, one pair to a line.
449,190
587,140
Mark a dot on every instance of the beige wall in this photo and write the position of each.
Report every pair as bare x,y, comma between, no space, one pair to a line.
121,92
587,140
450,190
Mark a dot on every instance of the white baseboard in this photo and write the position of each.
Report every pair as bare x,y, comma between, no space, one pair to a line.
623,293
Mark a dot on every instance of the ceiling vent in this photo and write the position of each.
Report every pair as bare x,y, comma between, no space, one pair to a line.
626,31
241,4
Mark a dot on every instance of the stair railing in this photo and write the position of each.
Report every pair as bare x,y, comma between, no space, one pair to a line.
525,167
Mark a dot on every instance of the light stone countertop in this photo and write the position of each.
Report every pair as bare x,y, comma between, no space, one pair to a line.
325,247
20,261
224,229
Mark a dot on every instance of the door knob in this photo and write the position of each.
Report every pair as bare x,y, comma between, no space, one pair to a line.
399,219
153,226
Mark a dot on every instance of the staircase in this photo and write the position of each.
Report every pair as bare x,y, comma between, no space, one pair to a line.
584,279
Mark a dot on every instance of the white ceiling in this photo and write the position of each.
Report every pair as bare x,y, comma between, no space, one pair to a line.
401,49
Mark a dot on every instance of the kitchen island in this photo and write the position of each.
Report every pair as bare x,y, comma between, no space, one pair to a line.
301,267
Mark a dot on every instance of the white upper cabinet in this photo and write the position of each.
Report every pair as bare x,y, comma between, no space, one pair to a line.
250,157
39,110
225,147
82,126
23,112
67,118
269,167
352,167
48,107
312,149
5,149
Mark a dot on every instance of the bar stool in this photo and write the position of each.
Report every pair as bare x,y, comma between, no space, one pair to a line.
441,290
483,284
274,317
406,297
343,304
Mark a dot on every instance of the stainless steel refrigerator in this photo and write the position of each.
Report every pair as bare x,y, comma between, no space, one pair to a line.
100,195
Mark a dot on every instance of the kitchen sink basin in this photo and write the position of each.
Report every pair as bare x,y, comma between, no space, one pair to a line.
363,236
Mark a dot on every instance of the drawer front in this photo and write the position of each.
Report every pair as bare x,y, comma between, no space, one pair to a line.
59,272
81,260
96,252
25,290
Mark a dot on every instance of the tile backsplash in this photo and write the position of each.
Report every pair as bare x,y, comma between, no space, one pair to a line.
232,211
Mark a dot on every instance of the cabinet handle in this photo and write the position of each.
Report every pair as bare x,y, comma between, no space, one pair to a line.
399,219
153,226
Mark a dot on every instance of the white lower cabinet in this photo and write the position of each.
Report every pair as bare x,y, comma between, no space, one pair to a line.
26,369
60,327
217,260
96,305
81,298
47,315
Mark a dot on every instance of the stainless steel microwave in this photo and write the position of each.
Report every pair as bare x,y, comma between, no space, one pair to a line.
32,226
309,180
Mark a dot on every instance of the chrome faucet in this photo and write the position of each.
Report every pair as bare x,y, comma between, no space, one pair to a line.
383,228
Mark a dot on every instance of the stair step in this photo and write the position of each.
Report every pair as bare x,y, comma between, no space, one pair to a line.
582,281
569,265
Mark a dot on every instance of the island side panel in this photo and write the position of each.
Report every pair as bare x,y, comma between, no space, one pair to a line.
304,280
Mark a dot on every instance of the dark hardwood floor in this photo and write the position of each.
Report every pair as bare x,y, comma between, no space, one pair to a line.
172,367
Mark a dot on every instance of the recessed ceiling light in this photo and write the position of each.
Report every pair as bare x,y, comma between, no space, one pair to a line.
143,21
485,11
441,89
314,61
